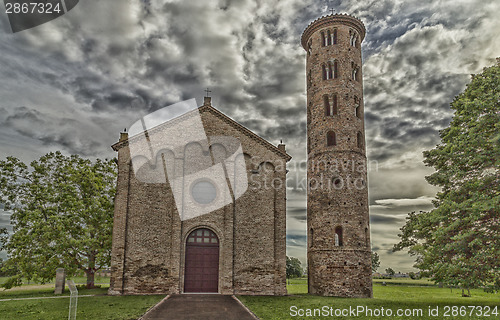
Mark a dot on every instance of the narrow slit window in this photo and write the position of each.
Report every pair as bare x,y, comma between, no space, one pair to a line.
334,105
334,36
326,103
367,240
360,140
329,37
338,237
358,110
331,139
335,70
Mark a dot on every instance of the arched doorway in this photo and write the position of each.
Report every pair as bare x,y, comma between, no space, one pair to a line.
202,262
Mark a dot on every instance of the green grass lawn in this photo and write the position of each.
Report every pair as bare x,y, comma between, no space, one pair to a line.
97,307
405,294
394,297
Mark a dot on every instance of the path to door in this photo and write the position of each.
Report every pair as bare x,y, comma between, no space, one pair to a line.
199,306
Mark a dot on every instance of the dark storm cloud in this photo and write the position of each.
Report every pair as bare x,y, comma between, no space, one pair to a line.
86,76
383,219
44,128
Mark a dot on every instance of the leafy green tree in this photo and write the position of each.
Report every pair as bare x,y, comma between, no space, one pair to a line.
62,215
293,267
375,261
458,242
390,271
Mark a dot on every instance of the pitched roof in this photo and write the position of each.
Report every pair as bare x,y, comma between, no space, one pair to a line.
223,117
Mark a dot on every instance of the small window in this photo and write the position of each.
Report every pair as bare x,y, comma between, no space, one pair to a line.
335,70
334,36
324,71
338,237
360,140
324,39
353,38
334,105
326,103
367,240
330,70
329,37
331,139
309,47
358,110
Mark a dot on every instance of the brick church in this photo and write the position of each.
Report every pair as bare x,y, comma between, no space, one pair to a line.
160,246
239,248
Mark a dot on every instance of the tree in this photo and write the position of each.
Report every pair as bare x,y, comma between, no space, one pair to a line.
458,242
390,271
293,267
375,261
62,215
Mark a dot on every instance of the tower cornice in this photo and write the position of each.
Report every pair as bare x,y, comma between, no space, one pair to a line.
326,21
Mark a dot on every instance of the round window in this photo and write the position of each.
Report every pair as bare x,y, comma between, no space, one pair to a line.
204,192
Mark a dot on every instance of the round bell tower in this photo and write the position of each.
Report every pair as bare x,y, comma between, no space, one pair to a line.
339,250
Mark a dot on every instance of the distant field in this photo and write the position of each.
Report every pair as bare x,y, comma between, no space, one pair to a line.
395,296
77,280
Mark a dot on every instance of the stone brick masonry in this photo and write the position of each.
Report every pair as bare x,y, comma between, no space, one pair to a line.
149,238
339,252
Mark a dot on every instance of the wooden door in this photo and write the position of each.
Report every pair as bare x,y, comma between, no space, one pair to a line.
202,262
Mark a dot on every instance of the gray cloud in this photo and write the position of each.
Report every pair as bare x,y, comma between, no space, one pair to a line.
74,83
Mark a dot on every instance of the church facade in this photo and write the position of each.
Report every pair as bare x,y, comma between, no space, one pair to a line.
239,248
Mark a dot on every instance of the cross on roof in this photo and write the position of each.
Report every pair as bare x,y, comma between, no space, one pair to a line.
332,10
208,91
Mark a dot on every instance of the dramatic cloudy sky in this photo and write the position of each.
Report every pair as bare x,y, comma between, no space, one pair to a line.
74,83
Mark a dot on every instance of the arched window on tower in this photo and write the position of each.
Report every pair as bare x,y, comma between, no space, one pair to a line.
324,38
360,140
329,37
330,70
358,109
334,36
326,102
334,105
309,47
324,71
353,38
331,139
335,70
338,237
355,73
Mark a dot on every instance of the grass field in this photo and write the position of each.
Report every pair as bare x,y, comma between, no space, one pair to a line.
96,307
412,297
399,294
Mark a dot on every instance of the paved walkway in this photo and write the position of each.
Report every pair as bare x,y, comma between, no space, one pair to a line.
199,306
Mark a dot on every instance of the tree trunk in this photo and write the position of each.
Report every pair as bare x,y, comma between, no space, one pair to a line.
90,278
